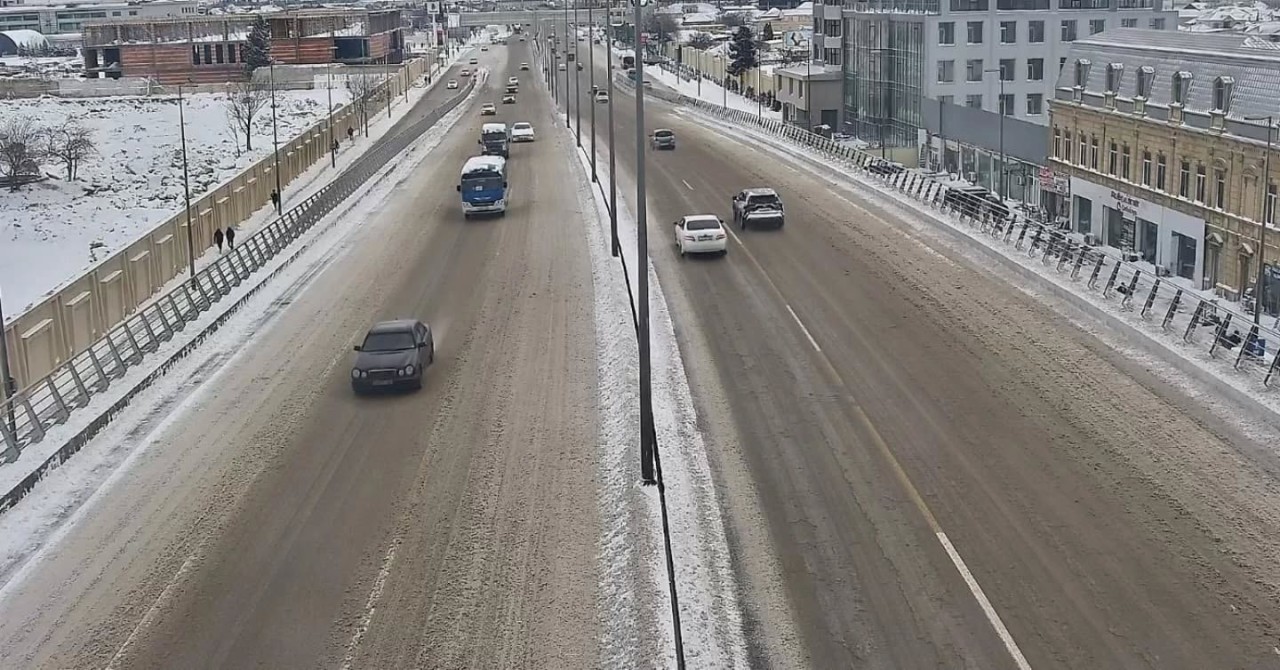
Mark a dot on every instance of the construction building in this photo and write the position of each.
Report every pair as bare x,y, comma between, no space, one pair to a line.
211,49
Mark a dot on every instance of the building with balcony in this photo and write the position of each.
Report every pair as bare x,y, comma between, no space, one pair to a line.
1164,137
212,49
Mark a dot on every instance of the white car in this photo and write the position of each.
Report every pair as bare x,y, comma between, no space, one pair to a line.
562,67
513,81
488,109
465,73
453,83
474,61
522,131
484,48
523,66
701,234
602,97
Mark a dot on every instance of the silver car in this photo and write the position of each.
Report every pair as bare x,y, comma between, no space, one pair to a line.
394,354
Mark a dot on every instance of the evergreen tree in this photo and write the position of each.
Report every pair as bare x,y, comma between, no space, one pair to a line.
258,53
768,32
742,52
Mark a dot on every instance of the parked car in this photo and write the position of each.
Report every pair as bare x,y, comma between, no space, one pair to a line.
757,206
453,83
393,354
488,109
701,234
663,138
522,131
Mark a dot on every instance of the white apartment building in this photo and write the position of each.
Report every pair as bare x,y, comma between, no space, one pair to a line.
56,19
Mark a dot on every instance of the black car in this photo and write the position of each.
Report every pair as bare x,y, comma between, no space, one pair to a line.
394,354
663,139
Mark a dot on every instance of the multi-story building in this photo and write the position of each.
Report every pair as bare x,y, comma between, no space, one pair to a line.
212,49
70,17
1167,138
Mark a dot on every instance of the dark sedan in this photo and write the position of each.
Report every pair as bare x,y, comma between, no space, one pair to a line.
394,354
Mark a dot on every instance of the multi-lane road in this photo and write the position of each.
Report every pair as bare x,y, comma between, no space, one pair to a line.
925,467
919,466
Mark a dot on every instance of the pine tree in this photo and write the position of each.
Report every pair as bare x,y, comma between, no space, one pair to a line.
768,32
742,52
258,53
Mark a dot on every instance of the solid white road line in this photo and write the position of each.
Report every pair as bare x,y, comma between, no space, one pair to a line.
992,616
804,329
687,185
150,617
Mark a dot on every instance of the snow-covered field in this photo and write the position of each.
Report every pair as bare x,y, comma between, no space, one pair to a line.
53,230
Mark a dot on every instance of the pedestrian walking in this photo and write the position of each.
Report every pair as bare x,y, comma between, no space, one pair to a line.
335,146
217,238
275,199
351,133
231,239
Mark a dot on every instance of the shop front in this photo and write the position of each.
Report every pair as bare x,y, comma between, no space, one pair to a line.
1140,229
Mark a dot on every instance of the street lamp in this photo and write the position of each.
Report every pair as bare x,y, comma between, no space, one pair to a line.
613,171
591,66
642,270
275,138
1264,184
328,70
186,185
7,383
577,75
1000,111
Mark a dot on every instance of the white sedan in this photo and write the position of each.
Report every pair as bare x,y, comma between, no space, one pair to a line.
701,234
522,131
453,83
602,97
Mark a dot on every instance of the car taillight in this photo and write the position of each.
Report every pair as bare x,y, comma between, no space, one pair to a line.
719,236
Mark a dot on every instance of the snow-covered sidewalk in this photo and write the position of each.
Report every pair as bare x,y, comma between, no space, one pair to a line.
709,91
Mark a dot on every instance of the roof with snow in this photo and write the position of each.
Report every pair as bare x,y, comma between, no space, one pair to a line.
13,40
484,163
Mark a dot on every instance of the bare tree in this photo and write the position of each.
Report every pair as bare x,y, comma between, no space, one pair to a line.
245,99
71,143
362,85
21,148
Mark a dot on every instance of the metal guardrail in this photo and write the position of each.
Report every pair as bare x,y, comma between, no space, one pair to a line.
27,417
1199,322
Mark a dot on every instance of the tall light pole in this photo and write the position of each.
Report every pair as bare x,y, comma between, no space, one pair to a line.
1000,111
7,382
642,266
565,47
577,73
613,163
328,70
275,139
1264,183
186,185
591,66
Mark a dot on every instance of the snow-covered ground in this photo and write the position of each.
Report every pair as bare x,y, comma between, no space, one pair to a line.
708,90
53,230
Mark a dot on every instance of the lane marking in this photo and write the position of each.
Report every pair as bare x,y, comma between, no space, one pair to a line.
687,185
805,330
149,618
989,610
370,606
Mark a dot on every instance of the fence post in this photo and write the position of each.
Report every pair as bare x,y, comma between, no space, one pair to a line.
1247,345
1221,330
60,407
1111,281
1097,269
82,391
1173,309
1151,298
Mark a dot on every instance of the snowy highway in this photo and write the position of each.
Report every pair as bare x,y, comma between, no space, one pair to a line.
271,519
922,466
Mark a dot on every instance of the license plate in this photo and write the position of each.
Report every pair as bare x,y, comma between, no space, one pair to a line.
704,238
382,382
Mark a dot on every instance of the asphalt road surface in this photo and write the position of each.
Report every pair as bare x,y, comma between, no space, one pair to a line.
914,455
277,521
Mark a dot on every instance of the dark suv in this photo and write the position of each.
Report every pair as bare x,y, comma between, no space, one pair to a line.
758,206
394,354
663,139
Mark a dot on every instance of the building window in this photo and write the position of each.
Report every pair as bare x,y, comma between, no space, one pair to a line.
1157,24
1008,66
947,33
1082,72
1222,89
831,56
1146,75
1128,23
1146,168
195,55
1113,156
133,12
1124,162
975,32
1066,147
1181,86
1220,189
1035,104
973,69
1115,73
947,99
217,52
1162,168
1035,69
208,55
1008,32
1184,179
1069,31
1057,143
231,53
1096,26
1200,183
1271,203
1006,104
1084,146
974,101
1035,32
1093,153
1062,62
969,5
946,71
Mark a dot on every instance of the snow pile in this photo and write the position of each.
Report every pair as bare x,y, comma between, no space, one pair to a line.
710,91
53,230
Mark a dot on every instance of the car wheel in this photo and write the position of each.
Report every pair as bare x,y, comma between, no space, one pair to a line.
724,252
682,251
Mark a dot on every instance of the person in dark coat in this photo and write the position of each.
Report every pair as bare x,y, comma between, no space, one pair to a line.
351,134
217,238
275,199
231,239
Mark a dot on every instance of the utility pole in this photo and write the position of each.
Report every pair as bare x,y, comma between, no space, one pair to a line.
275,139
642,269
613,163
1000,111
1264,186
186,185
591,60
7,382
328,70
577,73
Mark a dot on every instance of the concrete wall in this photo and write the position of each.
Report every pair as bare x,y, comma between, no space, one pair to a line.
1022,139
86,307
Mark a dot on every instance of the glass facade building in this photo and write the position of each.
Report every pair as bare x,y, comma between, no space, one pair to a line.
885,56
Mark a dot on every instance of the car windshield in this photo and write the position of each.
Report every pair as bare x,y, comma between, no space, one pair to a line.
522,126
664,134
702,224
388,342
481,183
758,200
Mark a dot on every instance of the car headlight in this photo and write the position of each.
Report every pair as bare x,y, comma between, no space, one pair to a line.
355,373
408,369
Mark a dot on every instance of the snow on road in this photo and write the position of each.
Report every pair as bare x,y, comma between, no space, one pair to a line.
132,183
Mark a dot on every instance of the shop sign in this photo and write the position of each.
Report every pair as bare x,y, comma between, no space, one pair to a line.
1125,202
1054,182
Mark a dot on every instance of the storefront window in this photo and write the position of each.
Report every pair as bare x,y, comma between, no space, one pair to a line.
1083,212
